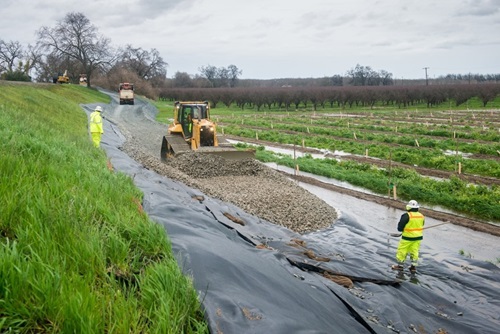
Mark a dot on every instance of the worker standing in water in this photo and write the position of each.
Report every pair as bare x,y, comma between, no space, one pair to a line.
96,129
411,224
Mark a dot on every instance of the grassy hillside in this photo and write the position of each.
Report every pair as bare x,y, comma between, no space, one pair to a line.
77,253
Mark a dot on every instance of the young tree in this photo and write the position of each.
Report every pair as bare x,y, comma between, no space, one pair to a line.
74,37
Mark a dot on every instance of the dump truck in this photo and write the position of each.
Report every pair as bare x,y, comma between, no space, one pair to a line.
126,92
193,130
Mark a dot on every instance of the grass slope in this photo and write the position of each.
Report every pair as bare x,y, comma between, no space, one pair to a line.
77,253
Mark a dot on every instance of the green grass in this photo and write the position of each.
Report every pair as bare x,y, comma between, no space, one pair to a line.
77,253
165,110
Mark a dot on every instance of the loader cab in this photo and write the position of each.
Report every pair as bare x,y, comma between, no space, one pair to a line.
189,113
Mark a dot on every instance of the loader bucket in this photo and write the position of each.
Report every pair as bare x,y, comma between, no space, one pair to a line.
167,151
173,146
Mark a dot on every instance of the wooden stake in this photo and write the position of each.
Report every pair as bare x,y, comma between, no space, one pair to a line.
390,173
416,142
303,143
257,135
394,193
459,168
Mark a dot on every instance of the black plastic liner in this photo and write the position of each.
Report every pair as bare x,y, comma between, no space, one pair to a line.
262,278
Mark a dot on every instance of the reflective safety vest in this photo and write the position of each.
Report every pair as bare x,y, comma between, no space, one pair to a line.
96,122
415,227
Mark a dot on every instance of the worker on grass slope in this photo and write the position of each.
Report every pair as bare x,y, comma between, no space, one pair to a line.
96,129
411,224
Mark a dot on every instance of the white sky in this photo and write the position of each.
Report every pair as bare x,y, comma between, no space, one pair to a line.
269,39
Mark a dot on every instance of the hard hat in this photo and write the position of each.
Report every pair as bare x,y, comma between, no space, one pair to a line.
98,108
412,205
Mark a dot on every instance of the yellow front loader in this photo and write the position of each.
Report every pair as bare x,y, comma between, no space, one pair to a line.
193,130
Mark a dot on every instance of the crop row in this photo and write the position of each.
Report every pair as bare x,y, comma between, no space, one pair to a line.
410,155
449,143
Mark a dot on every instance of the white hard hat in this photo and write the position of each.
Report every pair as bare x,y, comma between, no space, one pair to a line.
412,205
98,108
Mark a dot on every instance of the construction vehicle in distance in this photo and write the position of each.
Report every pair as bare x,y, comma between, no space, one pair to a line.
61,78
126,92
193,130
83,80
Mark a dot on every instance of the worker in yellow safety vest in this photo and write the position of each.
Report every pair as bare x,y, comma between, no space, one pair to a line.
96,129
411,224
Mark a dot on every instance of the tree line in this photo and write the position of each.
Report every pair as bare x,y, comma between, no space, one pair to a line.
290,98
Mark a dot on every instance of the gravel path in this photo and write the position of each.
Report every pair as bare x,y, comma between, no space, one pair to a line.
248,184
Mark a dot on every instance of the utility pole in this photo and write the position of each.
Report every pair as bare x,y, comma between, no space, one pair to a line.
426,78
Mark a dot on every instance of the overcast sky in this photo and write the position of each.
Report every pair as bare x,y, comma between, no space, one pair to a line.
269,39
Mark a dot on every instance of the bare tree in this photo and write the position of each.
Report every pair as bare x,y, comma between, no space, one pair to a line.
148,65
10,54
76,38
386,78
337,80
234,73
210,72
18,62
182,80
222,76
366,76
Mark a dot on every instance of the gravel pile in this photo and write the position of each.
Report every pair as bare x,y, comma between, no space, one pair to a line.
248,184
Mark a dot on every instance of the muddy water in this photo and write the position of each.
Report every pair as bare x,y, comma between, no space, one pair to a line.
380,220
